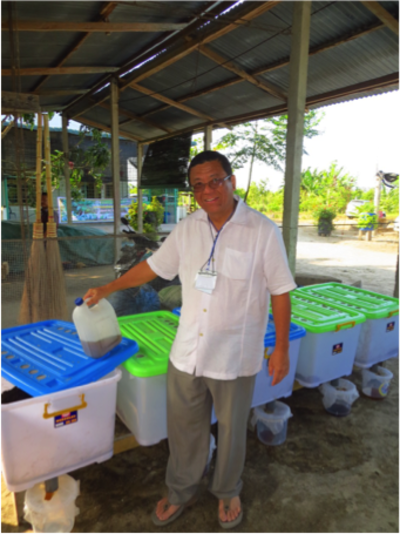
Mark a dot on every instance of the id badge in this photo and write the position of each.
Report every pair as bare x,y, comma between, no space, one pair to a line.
206,281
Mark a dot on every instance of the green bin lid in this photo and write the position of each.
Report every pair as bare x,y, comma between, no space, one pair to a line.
372,305
317,316
154,332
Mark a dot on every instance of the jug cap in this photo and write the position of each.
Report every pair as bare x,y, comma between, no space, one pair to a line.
79,301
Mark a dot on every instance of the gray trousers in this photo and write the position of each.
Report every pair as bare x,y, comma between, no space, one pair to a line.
189,404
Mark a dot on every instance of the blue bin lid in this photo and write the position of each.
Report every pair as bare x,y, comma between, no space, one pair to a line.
46,357
295,332
177,311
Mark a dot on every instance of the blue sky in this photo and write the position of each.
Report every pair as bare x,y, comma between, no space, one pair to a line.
362,136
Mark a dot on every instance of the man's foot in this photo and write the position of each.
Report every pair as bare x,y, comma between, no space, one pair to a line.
164,509
230,512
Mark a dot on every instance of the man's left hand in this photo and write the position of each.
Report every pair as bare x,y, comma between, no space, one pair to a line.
278,365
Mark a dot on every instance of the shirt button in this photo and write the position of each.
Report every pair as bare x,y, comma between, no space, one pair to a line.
204,310
201,334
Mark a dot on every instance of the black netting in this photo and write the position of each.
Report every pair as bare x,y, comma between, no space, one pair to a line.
166,163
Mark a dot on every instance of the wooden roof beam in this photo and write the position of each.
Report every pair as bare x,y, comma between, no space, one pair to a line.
174,104
247,12
107,129
54,71
384,81
230,65
145,53
133,117
188,47
276,65
94,27
379,11
103,15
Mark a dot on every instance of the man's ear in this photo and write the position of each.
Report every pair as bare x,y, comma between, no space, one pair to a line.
233,180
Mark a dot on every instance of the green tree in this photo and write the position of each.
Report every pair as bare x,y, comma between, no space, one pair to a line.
328,189
263,141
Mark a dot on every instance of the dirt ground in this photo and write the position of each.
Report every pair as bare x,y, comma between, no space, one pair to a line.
330,475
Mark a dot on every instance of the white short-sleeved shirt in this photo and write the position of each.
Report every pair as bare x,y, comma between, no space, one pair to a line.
221,335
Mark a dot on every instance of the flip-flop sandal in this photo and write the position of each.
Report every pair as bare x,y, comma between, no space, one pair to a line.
160,522
235,522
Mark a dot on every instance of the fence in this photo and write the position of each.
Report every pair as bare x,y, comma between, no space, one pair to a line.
87,262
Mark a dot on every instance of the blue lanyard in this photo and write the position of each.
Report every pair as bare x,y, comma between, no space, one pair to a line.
217,236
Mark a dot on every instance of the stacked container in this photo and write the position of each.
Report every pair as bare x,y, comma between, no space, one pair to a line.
328,350
69,422
379,337
142,391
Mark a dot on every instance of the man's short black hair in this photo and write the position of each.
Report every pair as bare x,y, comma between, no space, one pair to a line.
211,155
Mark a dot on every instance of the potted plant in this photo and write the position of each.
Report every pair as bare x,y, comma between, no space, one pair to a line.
324,217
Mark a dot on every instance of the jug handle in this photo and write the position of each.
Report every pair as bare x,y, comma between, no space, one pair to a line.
393,312
339,326
47,415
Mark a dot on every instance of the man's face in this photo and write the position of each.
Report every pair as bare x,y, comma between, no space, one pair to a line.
217,202
44,201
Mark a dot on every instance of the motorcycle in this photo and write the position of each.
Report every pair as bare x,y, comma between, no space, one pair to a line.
143,298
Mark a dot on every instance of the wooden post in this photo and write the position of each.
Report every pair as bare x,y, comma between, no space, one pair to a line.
294,138
207,137
139,191
115,162
65,147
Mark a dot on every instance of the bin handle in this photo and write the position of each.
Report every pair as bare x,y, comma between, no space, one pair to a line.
340,326
393,312
47,415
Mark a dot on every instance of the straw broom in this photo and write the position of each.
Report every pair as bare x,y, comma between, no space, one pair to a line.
33,304
56,294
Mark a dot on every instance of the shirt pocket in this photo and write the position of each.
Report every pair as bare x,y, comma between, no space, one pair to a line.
237,264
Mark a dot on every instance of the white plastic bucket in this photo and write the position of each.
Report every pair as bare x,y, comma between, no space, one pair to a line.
337,400
376,385
272,427
58,513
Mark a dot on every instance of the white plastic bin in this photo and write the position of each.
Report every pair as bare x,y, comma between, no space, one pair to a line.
328,350
142,406
263,390
379,336
53,434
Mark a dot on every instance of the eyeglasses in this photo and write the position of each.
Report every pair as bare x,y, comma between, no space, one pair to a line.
199,187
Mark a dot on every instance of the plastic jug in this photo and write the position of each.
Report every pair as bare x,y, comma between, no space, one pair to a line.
97,327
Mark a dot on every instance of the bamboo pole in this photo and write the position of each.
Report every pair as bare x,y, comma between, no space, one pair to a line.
57,298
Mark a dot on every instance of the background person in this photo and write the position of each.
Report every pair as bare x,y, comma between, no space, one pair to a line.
230,259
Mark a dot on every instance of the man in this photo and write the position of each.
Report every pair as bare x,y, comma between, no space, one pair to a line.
230,259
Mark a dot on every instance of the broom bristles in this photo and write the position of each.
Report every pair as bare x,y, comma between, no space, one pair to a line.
34,306
57,296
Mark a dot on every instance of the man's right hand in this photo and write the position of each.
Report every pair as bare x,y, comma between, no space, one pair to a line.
95,294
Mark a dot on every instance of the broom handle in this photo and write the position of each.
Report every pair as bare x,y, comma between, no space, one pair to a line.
39,169
48,167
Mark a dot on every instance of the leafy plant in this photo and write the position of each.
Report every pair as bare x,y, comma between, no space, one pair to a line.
263,141
153,215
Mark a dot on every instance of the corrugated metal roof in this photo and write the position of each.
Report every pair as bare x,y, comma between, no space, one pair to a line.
263,42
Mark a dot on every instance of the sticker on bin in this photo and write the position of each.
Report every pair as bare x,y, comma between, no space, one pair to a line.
46,357
155,333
